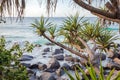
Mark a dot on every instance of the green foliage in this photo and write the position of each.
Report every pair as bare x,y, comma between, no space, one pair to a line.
77,32
41,25
106,39
52,31
91,31
10,67
73,28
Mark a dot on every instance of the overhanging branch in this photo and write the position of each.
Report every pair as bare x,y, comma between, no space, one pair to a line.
99,12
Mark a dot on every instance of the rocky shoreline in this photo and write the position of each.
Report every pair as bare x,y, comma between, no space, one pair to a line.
47,62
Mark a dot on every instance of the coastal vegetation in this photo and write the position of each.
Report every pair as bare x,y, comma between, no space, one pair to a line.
80,37
77,33
10,66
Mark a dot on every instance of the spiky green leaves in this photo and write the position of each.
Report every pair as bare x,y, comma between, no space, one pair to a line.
41,25
52,31
106,39
92,73
71,28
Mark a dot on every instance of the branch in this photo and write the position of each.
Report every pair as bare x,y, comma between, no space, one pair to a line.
65,47
106,18
77,47
99,12
89,51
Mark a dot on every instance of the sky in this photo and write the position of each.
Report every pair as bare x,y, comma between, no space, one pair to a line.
33,9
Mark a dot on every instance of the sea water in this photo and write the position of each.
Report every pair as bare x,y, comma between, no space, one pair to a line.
22,31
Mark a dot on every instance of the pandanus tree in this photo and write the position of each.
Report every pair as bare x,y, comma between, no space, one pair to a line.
75,32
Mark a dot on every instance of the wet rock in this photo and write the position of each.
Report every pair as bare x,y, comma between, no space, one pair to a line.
58,51
47,76
42,66
66,66
44,53
46,50
59,57
29,71
26,64
26,58
38,45
50,70
34,66
53,64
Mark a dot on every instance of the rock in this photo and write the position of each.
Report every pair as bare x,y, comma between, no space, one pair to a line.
26,64
42,66
44,56
32,77
44,53
47,76
58,51
46,50
66,55
50,56
103,57
112,65
100,55
51,44
60,72
29,71
34,66
76,59
50,70
62,50
59,57
118,45
66,66
70,58
38,45
116,60
53,64
26,58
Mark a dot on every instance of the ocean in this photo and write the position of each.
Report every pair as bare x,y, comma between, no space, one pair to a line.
22,30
